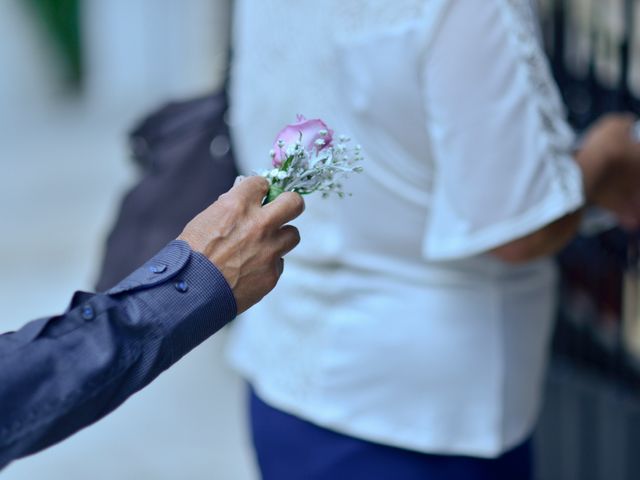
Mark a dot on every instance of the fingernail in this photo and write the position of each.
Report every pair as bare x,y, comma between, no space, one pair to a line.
238,179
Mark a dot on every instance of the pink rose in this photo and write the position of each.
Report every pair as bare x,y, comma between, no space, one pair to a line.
315,134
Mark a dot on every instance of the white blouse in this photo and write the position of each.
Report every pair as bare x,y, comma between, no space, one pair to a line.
390,322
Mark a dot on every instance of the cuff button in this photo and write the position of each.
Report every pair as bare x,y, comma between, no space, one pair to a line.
157,268
181,286
87,312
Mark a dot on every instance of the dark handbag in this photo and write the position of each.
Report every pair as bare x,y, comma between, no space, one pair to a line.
184,151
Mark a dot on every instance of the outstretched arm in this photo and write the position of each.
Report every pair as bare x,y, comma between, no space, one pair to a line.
60,374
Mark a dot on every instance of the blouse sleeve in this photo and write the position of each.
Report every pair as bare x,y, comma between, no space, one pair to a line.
502,149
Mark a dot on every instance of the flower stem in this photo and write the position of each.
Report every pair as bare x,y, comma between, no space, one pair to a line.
274,191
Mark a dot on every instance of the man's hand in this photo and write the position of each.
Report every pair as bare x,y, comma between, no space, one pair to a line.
245,240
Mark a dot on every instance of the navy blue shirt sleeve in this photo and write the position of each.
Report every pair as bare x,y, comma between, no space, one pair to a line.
60,374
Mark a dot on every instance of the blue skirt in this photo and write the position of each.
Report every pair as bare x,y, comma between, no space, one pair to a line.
289,448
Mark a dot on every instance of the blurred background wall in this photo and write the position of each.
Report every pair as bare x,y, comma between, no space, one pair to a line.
74,77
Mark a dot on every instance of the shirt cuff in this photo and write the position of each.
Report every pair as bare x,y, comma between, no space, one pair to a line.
180,292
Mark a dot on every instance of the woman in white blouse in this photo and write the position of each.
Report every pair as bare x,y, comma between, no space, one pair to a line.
408,336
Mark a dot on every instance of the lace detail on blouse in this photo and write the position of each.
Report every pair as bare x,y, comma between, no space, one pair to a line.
521,17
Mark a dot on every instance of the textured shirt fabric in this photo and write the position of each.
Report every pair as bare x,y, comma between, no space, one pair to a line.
60,374
391,323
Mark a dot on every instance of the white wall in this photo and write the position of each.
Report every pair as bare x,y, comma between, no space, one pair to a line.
143,51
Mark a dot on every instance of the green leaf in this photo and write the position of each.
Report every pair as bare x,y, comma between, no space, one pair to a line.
287,163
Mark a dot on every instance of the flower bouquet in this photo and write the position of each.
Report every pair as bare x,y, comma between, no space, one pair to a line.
306,158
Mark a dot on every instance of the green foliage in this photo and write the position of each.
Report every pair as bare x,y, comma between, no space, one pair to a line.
61,19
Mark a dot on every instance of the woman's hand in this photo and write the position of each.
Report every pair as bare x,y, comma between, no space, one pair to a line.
610,162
